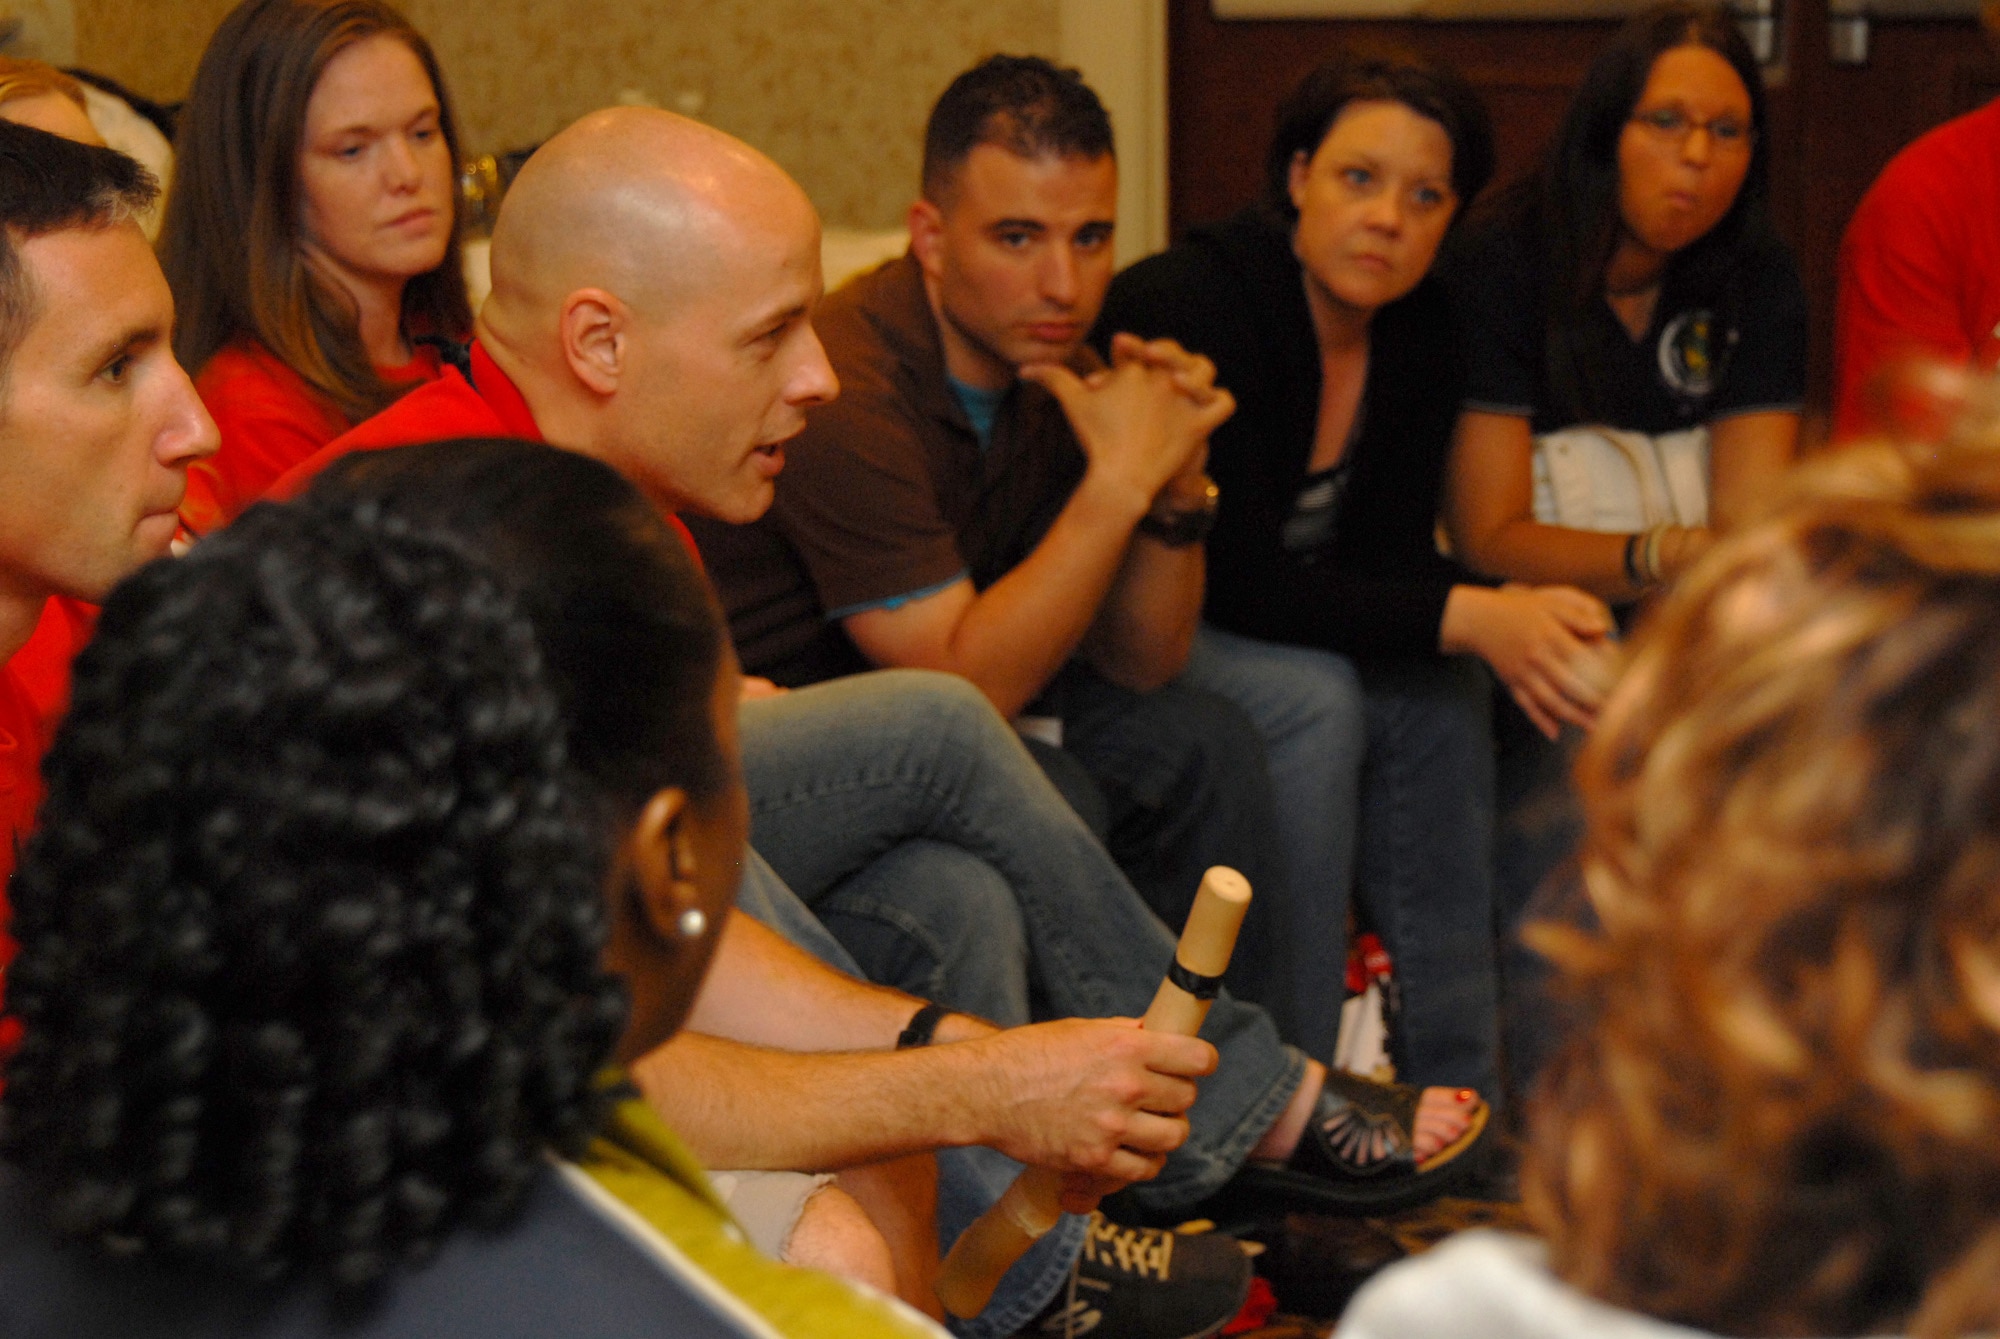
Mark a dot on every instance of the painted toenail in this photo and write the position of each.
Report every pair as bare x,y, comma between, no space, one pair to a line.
1467,1095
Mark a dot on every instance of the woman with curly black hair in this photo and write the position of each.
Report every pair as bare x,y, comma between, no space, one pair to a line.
360,814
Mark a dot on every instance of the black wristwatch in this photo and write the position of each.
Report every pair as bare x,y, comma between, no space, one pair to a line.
922,1027
1178,527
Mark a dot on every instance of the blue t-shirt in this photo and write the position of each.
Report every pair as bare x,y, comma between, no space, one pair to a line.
981,407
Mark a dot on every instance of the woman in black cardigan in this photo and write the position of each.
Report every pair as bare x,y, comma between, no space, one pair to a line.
1330,615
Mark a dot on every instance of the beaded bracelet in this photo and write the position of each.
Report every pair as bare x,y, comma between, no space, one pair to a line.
1649,559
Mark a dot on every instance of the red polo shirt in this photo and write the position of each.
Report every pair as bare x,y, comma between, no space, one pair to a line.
269,419
489,405
1920,269
34,690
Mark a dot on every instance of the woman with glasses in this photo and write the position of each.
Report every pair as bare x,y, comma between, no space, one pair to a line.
1633,284
1635,361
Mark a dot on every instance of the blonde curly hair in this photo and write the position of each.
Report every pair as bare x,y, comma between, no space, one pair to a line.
1782,1112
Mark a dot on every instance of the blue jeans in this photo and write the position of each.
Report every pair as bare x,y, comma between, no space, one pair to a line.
1540,825
1384,779
903,809
1179,776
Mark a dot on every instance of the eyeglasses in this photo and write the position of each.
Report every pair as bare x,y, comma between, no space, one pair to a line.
1671,125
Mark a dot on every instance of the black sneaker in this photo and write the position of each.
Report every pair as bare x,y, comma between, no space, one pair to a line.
1143,1283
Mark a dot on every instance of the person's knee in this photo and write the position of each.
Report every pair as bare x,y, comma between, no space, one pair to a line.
1298,696
936,920
835,1235
1327,706
900,1197
940,697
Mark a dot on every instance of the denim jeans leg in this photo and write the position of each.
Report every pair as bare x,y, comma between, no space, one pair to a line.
1426,863
842,773
898,917
763,894
1308,706
1539,826
970,1180
1185,776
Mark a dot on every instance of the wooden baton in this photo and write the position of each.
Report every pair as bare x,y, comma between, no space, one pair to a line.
1033,1204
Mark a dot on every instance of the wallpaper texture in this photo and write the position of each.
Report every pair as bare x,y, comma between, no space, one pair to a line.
835,90
150,46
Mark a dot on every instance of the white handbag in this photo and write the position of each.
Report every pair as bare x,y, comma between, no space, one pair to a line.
1591,477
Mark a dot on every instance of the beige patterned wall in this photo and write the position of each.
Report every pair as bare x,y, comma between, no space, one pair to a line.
150,46
47,31
836,90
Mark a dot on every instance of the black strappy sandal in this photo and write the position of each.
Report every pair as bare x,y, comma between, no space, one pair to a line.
1357,1158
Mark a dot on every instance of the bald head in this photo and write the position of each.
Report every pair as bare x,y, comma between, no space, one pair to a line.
653,287
636,201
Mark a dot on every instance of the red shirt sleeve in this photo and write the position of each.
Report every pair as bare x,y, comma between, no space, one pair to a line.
20,776
269,420
34,692
1897,297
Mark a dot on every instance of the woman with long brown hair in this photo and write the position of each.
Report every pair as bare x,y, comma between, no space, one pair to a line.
1779,1115
311,235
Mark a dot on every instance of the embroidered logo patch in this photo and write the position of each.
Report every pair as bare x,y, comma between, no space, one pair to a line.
1691,354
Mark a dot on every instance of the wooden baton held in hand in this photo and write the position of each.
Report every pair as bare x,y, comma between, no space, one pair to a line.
1033,1204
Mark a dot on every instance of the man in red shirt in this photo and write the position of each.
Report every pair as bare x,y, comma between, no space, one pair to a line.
98,425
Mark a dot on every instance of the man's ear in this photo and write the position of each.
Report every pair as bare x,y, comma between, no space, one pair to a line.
927,236
660,854
594,329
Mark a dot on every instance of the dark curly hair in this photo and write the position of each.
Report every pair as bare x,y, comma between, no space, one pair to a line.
311,925
630,632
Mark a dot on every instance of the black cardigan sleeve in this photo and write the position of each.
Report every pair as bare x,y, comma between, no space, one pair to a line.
1234,292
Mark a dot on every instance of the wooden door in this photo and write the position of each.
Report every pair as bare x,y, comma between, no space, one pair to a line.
1833,126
